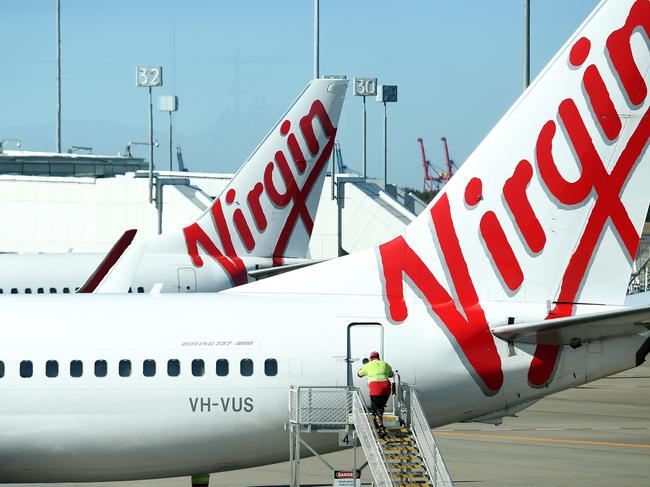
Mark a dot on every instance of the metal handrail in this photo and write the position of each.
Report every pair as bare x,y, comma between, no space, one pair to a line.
433,460
331,408
369,442
320,405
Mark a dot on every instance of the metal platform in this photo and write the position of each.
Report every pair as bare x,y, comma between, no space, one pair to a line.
407,455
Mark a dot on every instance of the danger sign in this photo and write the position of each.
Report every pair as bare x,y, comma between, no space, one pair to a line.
347,478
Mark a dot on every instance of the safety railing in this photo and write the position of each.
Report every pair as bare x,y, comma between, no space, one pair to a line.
340,408
320,406
402,401
368,439
431,456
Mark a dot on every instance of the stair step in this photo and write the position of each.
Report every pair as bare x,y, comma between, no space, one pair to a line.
401,439
412,484
402,458
406,466
398,430
410,476
400,448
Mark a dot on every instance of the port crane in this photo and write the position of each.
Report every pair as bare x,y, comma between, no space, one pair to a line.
434,178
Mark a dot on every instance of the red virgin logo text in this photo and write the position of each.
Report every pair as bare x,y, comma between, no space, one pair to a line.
469,330
292,196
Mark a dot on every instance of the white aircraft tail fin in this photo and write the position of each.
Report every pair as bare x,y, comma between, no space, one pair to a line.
547,210
269,207
558,182
550,206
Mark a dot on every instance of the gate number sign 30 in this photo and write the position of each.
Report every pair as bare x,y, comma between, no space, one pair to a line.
365,86
148,77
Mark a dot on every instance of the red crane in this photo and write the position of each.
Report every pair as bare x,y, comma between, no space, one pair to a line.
446,176
427,181
432,174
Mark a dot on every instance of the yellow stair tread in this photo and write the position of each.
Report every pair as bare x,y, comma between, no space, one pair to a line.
406,466
400,448
402,457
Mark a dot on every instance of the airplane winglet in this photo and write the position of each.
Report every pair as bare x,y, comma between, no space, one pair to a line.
108,262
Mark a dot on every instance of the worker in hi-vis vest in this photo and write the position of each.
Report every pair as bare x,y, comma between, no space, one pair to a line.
378,373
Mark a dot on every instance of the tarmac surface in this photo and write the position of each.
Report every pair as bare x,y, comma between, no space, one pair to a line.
597,435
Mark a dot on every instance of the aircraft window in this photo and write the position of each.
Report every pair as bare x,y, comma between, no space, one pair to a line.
149,368
76,289
271,367
2,368
14,290
1,291
76,368
52,290
222,367
125,368
140,289
51,368
40,290
66,290
101,368
130,290
173,368
28,290
246,367
26,368
198,367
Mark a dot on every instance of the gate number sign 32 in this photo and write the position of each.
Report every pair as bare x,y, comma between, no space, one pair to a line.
148,76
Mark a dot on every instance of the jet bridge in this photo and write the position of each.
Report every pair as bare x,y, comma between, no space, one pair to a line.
408,455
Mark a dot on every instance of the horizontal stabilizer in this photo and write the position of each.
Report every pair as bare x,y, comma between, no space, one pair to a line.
274,271
578,329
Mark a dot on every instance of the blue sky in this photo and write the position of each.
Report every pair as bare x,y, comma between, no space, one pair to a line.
236,66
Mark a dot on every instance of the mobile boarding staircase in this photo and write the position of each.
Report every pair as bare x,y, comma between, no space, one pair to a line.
407,457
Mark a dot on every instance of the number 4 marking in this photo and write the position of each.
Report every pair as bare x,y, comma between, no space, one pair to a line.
345,439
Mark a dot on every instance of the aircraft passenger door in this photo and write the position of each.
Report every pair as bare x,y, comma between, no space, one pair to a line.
186,280
363,338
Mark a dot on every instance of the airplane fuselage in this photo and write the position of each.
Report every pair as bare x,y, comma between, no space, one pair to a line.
166,403
65,273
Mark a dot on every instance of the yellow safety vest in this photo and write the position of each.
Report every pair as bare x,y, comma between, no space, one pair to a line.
376,371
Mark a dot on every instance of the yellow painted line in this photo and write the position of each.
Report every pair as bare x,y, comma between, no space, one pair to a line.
542,440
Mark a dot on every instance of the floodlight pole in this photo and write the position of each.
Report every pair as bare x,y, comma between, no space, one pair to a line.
316,37
526,43
385,146
150,146
364,87
169,103
58,76
365,172
386,94
170,141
